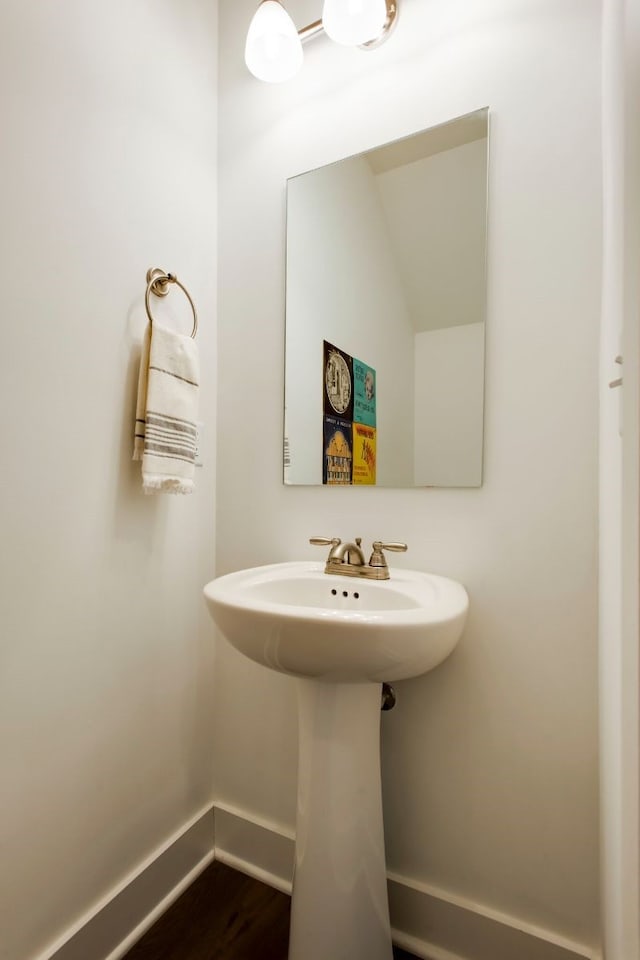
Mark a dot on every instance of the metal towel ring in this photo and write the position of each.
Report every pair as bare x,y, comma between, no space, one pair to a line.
158,283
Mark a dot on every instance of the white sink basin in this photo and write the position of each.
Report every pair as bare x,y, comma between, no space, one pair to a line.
294,618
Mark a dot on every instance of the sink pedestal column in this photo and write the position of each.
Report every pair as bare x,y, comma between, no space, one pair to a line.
339,907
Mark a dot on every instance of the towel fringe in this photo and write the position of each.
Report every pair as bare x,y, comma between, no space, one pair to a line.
167,485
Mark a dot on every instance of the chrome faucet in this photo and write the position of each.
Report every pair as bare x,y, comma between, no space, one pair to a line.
347,559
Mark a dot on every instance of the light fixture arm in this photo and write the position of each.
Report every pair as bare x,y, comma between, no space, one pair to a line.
313,30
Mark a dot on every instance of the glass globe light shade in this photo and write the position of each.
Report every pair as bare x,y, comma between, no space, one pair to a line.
352,22
273,51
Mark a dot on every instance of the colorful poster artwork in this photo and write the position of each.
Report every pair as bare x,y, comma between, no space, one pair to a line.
338,451
364,393
337,370
364,454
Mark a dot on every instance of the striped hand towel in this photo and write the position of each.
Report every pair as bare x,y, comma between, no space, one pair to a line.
166,411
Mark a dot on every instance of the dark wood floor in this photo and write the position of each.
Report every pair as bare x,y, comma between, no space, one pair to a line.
224,915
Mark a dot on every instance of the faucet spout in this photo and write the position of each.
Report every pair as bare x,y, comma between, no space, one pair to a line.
349,553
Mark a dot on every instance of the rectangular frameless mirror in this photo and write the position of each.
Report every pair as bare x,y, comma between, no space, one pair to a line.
385,313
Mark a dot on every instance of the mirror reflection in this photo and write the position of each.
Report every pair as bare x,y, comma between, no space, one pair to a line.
385,313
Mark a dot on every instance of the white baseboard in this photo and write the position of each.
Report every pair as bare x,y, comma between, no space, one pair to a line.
260,848
428,922
436,925
113,925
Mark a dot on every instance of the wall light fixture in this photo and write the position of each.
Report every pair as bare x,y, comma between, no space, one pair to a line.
273,51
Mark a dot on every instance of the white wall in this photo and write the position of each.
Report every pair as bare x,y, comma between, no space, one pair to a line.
354,300
490,762
108,156
436,209
449,406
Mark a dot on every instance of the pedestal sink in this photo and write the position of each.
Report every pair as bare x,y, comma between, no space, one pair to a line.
341,637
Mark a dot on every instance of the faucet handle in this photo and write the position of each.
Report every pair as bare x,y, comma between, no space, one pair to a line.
378,558
333,542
